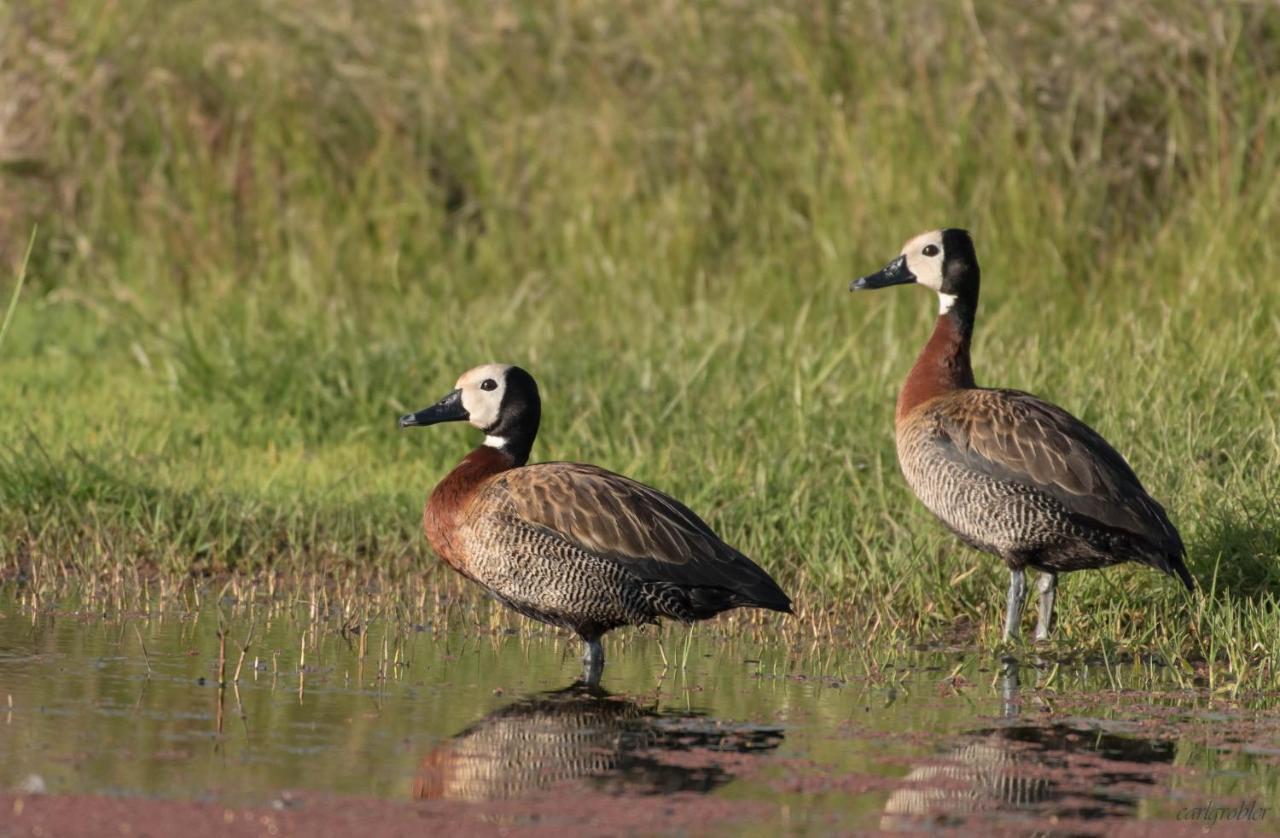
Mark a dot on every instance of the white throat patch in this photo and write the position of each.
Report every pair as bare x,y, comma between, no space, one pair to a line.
495,441
945,302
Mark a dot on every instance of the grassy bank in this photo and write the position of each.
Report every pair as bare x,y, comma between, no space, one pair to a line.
267,229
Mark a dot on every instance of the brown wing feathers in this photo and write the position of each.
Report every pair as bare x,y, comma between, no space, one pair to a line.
654,536
1011,435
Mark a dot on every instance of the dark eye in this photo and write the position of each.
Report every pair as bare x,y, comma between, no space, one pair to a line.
930,250
488,384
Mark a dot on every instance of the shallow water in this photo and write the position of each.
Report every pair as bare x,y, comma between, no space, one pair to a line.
130,704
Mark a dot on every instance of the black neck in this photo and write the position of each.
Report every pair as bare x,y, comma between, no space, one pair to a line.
518,417
963,313
517,443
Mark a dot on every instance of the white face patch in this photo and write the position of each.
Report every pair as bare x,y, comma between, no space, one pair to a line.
924,257
482,390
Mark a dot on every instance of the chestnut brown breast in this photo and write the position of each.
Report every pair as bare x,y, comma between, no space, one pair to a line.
448,506
942,367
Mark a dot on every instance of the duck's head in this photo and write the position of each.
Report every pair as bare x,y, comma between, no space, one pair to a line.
943,260
499,399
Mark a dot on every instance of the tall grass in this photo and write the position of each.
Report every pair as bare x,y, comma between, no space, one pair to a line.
269,228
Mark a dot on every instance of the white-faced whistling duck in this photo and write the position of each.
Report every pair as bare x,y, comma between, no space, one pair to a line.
570,544
1006,472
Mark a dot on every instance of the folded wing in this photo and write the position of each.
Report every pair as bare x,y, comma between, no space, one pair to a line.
1014,436
655,537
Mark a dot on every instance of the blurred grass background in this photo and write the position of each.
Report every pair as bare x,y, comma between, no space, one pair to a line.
265,229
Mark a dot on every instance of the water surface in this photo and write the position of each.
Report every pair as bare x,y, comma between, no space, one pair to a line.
409,711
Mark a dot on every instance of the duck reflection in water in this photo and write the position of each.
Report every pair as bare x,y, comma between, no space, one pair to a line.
1054,771
582,735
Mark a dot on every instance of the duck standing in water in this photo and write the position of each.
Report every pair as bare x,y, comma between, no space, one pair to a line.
1008,473
569,544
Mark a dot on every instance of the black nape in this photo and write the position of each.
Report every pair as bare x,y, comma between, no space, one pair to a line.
518,416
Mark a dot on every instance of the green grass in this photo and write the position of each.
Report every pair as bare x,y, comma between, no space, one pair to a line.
268,229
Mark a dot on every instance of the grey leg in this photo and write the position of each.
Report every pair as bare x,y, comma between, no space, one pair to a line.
1017,597
593,662
1048,587
1009,684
